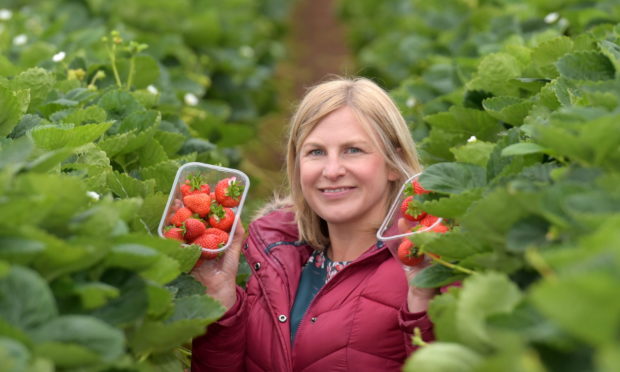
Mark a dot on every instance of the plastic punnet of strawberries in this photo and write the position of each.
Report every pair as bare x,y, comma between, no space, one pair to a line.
202,210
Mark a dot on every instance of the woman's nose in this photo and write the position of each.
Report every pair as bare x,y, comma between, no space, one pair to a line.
333,167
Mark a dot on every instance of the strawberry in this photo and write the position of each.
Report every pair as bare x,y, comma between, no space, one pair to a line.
408,253
221,234
428,220
209,242
173,232
194,185
193,229
198,203
228,192
180,216
410,209
440,228
221,217
418,189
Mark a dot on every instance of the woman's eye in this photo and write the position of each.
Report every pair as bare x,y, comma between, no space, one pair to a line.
315,152
353,150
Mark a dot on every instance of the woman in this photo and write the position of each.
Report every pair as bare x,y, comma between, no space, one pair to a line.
324,295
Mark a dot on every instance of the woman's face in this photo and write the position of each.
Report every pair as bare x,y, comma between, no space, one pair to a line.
344,178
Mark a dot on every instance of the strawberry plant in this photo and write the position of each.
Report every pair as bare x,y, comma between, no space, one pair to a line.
515,110
94,124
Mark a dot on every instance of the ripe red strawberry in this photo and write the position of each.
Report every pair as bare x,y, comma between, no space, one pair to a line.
228,192
428,220
194,185
440,228
221,217
408,253
410,209
221,234
193,229
198,203
180,216
209,242
418,189
176,233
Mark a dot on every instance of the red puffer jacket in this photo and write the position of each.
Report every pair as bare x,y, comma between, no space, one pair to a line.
357,322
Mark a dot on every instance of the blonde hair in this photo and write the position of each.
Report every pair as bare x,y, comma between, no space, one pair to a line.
376,111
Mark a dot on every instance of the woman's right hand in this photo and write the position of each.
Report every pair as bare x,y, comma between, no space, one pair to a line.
219,275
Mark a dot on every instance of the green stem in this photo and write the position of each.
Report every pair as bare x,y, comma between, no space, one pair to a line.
417,337
112,54
534,258
451,265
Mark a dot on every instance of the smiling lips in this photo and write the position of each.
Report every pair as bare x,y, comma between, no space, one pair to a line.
329,190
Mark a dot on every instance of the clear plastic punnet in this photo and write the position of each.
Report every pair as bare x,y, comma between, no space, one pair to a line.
210,174
395,226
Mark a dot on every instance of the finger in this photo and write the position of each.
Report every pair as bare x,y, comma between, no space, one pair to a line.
403,225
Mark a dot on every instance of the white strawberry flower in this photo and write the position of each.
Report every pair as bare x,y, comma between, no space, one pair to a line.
93,195
190,99
552,17
20,39
472,139
411,101
5,14
59,56
152,89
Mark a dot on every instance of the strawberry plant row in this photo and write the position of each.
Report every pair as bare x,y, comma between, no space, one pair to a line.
516,110
100,104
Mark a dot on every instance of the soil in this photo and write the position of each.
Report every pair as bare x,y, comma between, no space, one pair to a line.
316,48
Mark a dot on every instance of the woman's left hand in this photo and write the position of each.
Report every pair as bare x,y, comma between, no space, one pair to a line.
417,298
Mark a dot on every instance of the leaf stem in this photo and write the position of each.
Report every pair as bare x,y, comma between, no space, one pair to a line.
451,265
417,337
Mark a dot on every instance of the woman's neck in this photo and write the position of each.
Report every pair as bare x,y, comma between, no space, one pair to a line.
347,244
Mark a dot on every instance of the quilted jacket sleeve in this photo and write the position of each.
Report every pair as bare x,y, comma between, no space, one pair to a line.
409,321
222,347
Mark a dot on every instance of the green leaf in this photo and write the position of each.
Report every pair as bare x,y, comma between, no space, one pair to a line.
95,294
453,178
483,295
152,153
522,148
26,301
192,315
132,303
451,245
436,276
159,300
530,231
39,82
572,302
14,355
15,153
146,70
511,110
171,142
131,256
119,104
125,186
90,114
19,250
586,65
548,52
100,341
493,72
55,137
163,270
476,152
443,357
10,111
452,206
